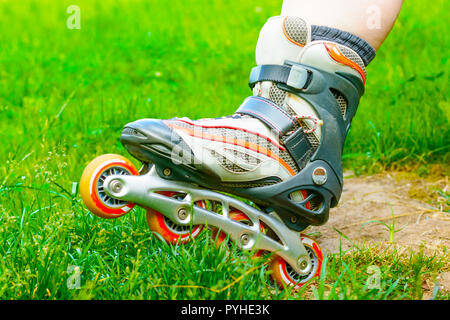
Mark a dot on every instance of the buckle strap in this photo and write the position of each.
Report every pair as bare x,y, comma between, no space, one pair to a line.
299,147
276,118
269,113
293,75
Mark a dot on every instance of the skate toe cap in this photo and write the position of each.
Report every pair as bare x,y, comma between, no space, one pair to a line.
148,131
150,134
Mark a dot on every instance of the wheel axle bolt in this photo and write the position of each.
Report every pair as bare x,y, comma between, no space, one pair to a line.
167,172
182,214
115,186
303,263
245,239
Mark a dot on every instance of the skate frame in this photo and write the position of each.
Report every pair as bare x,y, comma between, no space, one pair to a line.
143,190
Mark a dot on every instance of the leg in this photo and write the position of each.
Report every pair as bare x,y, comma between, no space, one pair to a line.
371,20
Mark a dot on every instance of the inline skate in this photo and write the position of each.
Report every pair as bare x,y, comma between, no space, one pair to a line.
260,176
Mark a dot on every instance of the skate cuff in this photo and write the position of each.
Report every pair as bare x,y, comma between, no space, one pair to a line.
294,76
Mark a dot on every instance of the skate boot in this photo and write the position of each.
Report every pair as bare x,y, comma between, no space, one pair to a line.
281,150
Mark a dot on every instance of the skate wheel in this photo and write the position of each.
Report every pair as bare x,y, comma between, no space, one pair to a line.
170,231
219,238
285,276
91,185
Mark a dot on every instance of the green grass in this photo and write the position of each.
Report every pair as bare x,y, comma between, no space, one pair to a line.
66,94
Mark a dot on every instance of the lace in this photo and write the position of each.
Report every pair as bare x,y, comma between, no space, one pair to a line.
317,122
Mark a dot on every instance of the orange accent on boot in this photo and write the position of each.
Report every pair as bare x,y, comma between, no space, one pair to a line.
234,128
233,141
336,55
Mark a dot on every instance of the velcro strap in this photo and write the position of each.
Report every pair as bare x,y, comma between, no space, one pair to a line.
299,147
268,112
293,75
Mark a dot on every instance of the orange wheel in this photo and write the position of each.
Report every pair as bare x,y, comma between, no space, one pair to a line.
219,239
91,185
284,275
170,231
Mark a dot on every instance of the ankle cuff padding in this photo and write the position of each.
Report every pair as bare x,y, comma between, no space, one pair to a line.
357,44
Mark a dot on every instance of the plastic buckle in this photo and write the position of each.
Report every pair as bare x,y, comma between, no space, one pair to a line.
298,77
254,76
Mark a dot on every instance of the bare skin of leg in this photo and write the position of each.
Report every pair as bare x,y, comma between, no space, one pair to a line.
370,20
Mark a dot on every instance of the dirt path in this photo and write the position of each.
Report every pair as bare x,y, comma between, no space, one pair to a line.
422,222
377,198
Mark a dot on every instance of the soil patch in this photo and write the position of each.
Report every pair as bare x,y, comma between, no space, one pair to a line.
379,198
